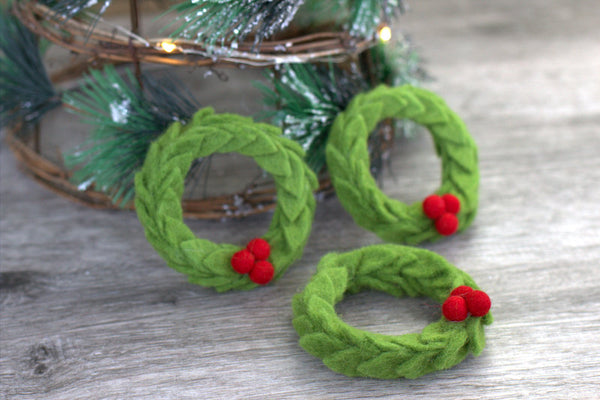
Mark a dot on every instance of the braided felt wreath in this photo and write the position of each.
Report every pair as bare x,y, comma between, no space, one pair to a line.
160,183
399,271
348,163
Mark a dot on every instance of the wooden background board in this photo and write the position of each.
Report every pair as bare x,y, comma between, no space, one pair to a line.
89,310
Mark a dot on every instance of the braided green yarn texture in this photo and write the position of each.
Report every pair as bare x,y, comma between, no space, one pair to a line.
159,188
399,271
348,162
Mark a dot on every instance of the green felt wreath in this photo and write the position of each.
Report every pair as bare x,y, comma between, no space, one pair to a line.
348,162
399,271
160,183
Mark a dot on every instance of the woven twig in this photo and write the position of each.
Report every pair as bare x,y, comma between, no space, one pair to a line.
57,179
106,46
120,45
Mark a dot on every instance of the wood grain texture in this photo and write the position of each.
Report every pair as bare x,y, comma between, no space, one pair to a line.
89,311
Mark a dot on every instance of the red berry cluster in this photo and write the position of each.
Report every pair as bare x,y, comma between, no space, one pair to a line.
443,210
253,261
464,300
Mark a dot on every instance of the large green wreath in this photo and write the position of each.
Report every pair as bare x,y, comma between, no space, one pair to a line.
399,271
348,162
160,183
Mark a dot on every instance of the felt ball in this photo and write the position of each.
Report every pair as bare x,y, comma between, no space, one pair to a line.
433,206
452,203
478,303
260,248
455,308
447,224
262,273
243,261
461,291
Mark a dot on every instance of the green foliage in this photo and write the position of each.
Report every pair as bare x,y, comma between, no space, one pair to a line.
232,20
25,89
359,17
222,21
397,63
126,120
69,8
307,99
366,15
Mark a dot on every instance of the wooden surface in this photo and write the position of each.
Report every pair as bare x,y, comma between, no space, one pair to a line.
90,311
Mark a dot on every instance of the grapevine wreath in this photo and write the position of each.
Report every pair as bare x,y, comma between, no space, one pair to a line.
129,81
392,220
399,271
159,188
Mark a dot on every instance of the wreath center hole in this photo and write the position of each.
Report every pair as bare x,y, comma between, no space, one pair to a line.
382,313
414,171
213,179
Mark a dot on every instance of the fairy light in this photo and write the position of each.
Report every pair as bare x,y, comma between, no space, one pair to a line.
385,33
168,46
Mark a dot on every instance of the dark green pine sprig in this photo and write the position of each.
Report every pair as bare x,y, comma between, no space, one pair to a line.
358,17
397,63
69,8
366,15
126,120
307,99
213,21
25,90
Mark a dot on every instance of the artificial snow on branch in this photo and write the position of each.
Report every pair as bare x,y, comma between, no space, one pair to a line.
126,119
232,20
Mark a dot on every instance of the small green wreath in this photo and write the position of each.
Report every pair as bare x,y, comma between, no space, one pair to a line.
348,163
160,183
399,271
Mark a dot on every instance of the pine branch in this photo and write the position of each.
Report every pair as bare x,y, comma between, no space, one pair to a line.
25,89
398,63
126,121
69,8
233,20
366,15
359,17
309,99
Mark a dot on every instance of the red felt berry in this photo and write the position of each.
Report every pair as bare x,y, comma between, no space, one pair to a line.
447,224
260,248
242,261
433,206
461,291
452,203
478,303
455,308
262,273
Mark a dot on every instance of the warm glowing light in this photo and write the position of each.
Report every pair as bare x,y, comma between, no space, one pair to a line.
385,33
168,46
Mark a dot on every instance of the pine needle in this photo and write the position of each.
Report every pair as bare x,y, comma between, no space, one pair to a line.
223,21
309,98
126,119
25,90
67,9
358,17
